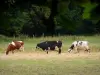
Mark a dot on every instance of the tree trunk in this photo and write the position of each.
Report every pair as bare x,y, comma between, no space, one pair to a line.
50,21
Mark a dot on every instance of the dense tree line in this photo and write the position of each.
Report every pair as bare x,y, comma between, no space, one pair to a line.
49,17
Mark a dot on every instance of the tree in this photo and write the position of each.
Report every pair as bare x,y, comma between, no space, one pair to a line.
47,16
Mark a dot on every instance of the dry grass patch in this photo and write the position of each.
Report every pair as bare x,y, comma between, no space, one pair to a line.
54,55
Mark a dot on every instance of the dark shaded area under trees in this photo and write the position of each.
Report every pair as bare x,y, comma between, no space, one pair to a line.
49,17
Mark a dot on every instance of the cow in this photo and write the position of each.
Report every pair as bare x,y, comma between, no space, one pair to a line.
79,44
50,45
15,45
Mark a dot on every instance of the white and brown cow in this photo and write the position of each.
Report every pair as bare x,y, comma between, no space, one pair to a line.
79,44
15,45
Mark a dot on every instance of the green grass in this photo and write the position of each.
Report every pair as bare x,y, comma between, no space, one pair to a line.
37,62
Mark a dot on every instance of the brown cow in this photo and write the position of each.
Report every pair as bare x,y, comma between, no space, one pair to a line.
15,45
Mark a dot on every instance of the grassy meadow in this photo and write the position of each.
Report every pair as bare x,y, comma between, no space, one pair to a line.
37,62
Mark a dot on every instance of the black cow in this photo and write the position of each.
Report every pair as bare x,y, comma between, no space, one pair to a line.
46,45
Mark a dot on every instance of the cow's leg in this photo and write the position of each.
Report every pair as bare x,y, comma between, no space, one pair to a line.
7,52
46,51
59,50
76,49
59,47
12,51
22,48
88,50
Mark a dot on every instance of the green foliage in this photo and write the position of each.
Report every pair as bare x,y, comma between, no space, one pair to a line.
17,21
36,17
35,24
88,7
63,6
69,17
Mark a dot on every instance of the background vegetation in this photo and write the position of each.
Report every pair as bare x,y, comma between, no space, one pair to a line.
49,17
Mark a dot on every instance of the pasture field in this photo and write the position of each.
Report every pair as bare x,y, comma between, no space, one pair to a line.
37,62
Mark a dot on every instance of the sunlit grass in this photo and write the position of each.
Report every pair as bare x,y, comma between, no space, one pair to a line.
51,65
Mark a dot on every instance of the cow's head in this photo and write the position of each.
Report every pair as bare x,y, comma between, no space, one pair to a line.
59,44
71,48
37,46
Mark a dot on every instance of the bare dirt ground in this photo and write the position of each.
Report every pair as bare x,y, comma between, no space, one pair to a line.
54,55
